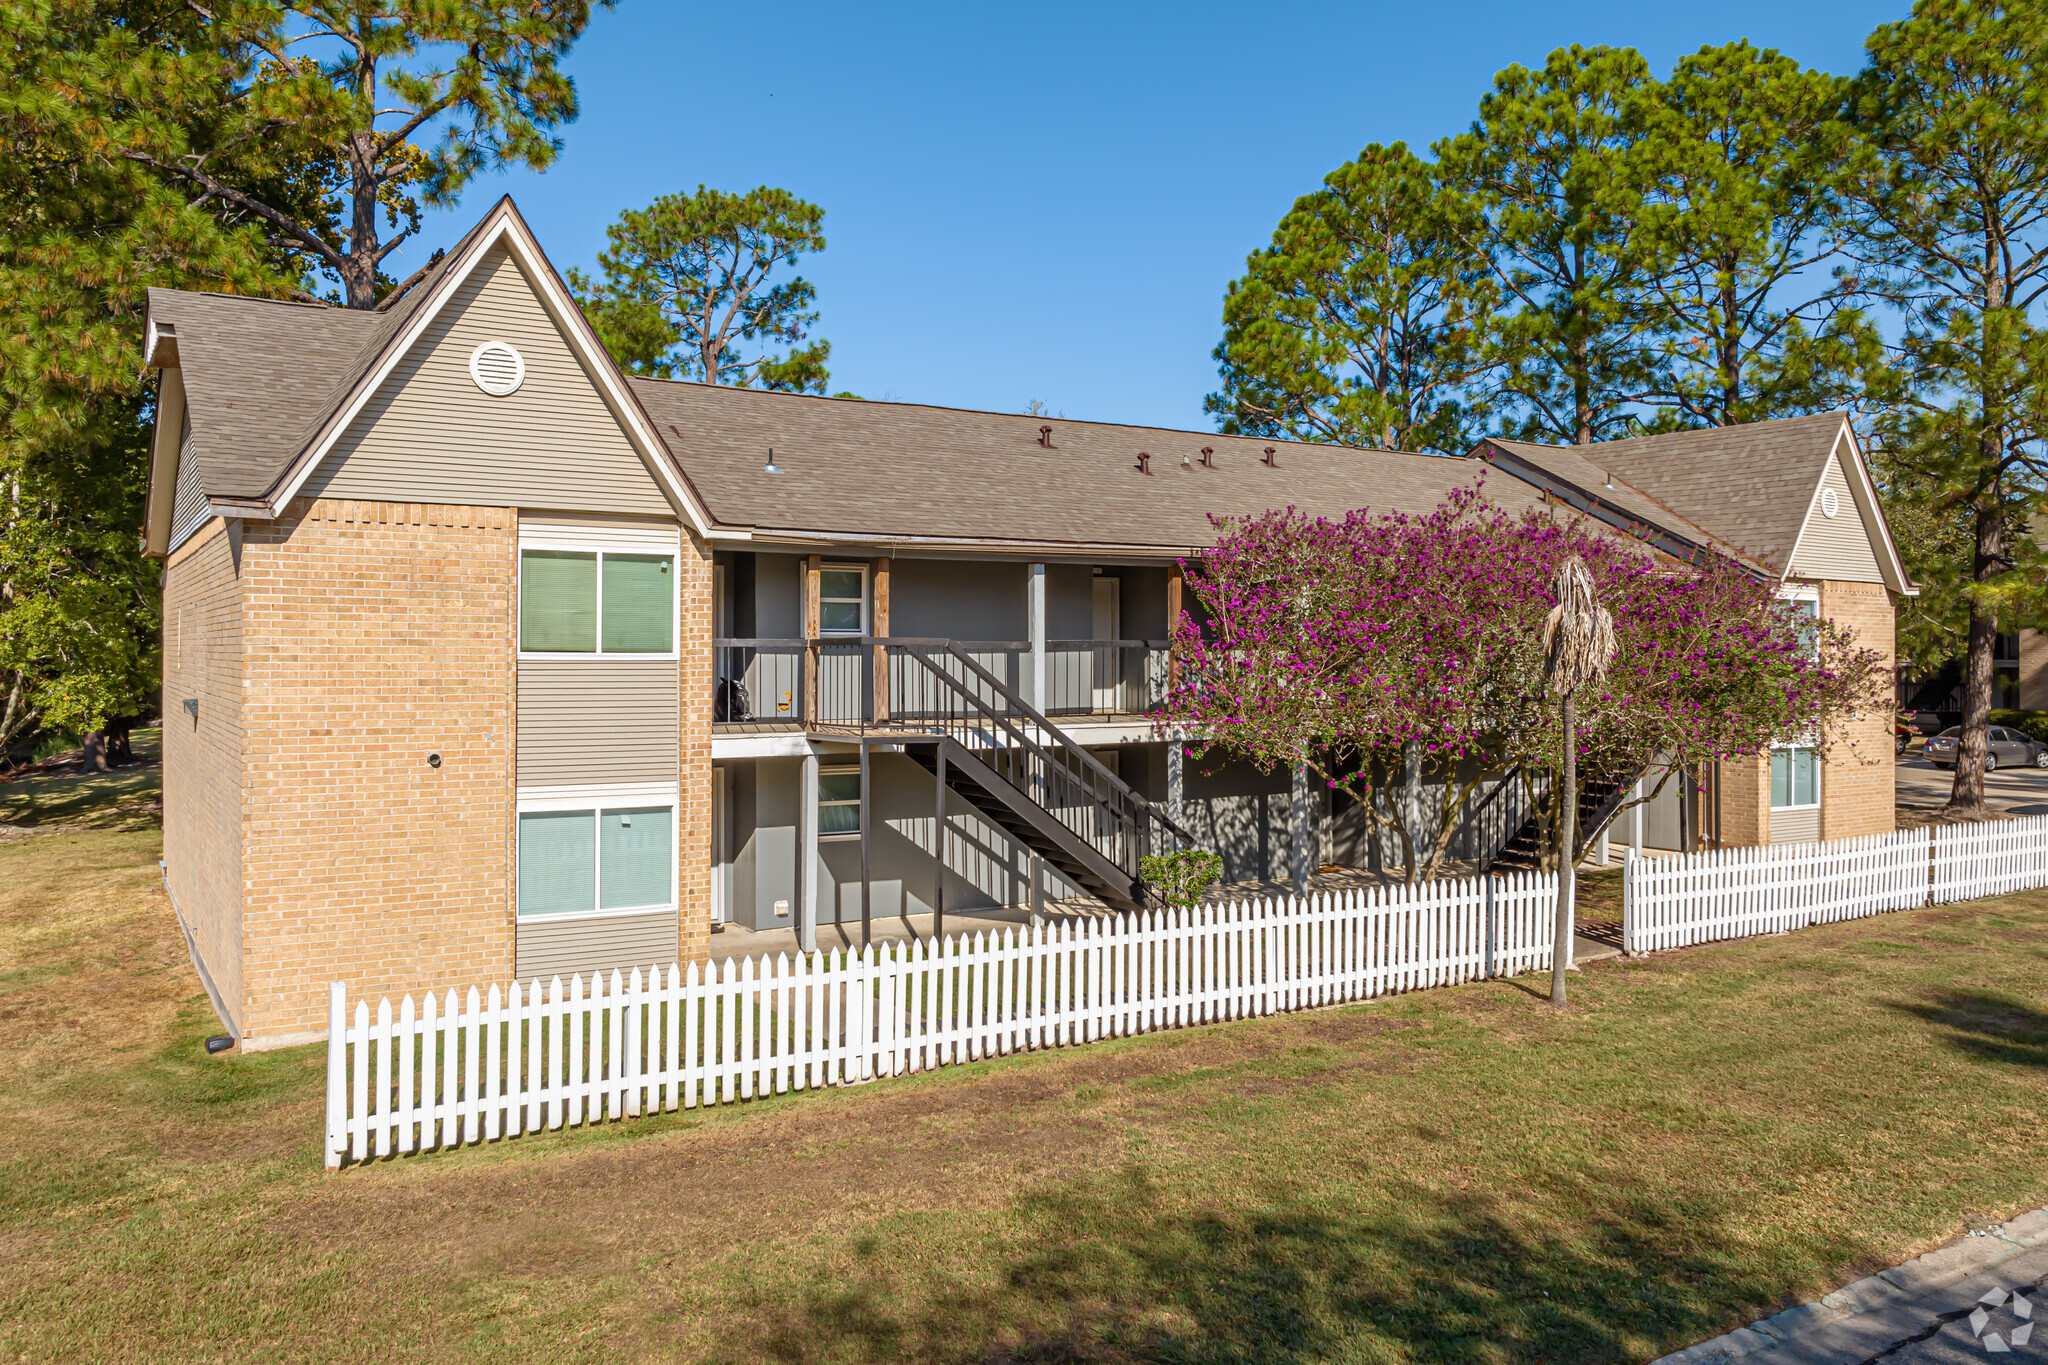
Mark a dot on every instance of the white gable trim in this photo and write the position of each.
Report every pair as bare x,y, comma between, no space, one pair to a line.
167,448
504,227
1864,490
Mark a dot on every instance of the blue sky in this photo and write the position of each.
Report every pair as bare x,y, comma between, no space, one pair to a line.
1046,201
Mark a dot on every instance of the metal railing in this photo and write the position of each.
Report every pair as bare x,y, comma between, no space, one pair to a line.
860,686
767,683
1104,677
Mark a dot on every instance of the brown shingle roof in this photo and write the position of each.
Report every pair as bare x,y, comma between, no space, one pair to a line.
872,470
262,375
1748,487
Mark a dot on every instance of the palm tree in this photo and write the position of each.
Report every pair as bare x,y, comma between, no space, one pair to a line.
1578,645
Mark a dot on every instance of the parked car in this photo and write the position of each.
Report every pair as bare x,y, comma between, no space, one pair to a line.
2003,748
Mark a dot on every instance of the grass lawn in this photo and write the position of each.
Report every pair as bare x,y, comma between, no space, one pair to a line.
1456,1176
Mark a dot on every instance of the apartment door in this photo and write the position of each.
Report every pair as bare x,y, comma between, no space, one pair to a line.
1107,625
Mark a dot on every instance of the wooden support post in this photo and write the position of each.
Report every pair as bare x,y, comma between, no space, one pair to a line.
1173,590
813,567
881,632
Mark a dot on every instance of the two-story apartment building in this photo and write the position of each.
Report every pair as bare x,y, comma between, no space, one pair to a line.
482,658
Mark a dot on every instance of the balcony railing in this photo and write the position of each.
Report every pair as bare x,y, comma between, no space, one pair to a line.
835,682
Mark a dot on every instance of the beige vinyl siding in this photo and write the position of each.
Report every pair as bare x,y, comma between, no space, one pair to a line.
585,721
1836,547
1795,825
430,435
202,767
550,946
189,499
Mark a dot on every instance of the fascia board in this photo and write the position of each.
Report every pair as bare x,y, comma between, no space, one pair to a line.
166,449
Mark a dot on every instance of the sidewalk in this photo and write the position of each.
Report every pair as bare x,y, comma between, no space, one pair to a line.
1925,1312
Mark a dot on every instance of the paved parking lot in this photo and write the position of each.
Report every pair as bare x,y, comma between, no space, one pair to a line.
2017,791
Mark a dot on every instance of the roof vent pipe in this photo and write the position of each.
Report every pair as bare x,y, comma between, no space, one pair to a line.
770,468
1144,463
1608,474
1270,460
1208,457
1045,437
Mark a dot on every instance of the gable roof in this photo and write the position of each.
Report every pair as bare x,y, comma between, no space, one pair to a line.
905,473
270,386
1746,490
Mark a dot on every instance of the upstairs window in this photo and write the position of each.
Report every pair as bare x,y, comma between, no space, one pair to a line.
842,600
596,602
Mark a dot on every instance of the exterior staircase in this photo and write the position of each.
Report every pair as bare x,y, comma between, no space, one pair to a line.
1018,770
1598,804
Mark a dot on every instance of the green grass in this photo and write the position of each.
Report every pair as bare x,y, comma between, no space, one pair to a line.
1454,1176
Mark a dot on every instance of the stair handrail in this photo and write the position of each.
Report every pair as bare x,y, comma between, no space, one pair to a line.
1066,742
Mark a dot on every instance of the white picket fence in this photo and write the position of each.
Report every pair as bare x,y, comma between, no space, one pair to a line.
1995,858
477,1066
1735,892
1691,898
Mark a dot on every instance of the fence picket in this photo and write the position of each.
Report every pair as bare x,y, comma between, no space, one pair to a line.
544,1056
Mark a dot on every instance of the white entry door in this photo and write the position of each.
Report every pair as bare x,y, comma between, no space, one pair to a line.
1107,625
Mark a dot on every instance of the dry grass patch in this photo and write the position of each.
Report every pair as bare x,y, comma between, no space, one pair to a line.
1457,1176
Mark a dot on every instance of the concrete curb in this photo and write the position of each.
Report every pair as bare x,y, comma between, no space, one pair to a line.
1878,1312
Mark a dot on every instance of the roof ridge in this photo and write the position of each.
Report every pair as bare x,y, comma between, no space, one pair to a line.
873,403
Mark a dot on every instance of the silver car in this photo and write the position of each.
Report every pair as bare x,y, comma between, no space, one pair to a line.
2003,748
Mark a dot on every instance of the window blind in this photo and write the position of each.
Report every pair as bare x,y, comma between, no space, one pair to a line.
637,852
557,862
558,601
639,596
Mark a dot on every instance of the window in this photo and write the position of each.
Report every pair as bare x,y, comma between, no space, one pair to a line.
1806,618
1795,777
839,801
602,858
596,601
842,600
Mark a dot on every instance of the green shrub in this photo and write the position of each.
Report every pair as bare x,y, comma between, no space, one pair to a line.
1181,878
2032,724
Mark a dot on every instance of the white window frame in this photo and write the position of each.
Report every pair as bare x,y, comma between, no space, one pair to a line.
1804,592
538,800
601,542
835,769
1819,773
862,570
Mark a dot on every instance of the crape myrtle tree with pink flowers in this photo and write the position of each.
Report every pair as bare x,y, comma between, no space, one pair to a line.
1374,646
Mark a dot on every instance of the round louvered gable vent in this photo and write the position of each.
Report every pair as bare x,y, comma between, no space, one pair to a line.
497,368
1830,502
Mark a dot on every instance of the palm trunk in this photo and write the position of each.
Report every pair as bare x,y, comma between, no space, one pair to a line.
1567,835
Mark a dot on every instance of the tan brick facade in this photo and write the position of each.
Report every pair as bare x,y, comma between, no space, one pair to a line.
1857,794
376,634
1746,802
694,793
203,809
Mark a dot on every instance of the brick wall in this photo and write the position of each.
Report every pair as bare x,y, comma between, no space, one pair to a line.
377,633
202,759
694,785
1857,794
1746,802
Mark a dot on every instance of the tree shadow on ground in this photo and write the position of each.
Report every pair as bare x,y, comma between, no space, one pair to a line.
1127,1274
1984,1025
